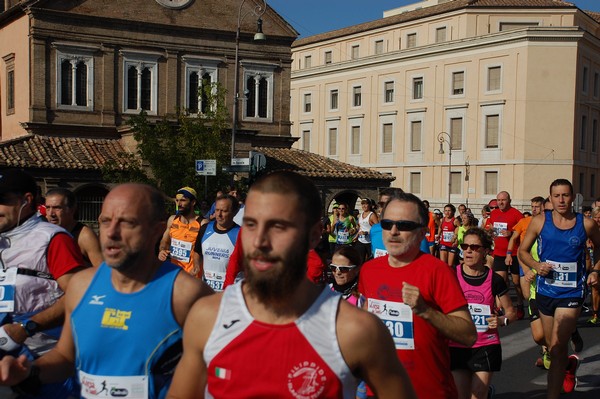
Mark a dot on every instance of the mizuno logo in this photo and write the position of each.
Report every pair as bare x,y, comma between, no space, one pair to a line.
228,326
97,300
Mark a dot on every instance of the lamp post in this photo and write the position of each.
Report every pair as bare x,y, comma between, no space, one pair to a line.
258,11
444,137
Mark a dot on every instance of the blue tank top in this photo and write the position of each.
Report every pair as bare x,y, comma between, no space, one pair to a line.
565,250
133,338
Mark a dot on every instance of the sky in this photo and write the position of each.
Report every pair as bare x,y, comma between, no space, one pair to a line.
310,17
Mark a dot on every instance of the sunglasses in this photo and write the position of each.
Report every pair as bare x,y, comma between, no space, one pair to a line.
401,225
493,207
341,269
472,247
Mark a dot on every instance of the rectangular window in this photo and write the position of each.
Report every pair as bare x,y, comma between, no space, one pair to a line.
411,40
583,133
10,91
596,84
458,83
356,96
415,182
379,47
201,77
74,80
333,99
417,88
456,133
258,83
494,76
306,140
585,79
328,57
415,135
582,183
387,139
440,35
333,141
307,61
307,102
593,185
492,125
595,135
355,52
355,140
456,183
389,92
140,72
490,183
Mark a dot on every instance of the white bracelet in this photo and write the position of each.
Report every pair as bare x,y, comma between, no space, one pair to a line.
6,342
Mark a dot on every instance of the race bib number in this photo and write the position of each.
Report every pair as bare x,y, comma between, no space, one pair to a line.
564,274
99,386
398,318
8,280
499,227
181,250
342,237
447,236
479,314
215,280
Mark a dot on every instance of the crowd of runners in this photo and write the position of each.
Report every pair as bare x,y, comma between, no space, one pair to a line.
261,296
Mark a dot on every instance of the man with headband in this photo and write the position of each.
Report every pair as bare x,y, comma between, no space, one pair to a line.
182,230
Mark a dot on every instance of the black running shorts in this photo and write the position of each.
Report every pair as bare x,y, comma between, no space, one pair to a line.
484,358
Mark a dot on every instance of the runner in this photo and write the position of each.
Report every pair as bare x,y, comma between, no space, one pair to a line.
448,249
561,235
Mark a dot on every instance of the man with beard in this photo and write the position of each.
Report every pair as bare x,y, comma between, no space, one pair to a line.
61,209
182,230
122,329
418,298
276,334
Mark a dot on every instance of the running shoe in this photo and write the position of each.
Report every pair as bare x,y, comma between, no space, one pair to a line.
594,320
576,342
570,381
520,312
546,360
539,363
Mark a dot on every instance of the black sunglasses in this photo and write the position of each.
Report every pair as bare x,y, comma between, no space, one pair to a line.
401,225
341,269
473,247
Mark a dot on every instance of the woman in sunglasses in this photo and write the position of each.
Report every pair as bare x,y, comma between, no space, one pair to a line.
473,367
345,265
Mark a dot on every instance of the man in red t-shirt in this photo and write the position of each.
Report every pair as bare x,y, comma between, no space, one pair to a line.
418,298
502,221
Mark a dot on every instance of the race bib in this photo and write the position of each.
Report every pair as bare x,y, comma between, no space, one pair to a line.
398,318
181,250
479,314
447,236
8,280
215,280
98,386
499,227
564,274
342,237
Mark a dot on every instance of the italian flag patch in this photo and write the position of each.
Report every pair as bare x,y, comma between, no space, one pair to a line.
223,374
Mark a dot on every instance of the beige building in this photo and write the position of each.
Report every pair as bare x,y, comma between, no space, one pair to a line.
513,86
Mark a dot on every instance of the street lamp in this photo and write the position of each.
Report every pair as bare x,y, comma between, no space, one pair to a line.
444,137
258,11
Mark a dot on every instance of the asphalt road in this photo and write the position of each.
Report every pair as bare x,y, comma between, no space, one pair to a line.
520,379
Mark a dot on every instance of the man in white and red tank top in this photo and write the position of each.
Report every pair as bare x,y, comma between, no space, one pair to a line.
276,334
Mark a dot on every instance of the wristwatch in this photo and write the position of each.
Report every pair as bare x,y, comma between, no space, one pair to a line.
30,327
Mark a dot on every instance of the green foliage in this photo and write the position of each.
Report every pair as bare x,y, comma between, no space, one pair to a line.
170,146
129,170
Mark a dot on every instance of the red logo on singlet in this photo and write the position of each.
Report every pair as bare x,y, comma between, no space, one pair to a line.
306,380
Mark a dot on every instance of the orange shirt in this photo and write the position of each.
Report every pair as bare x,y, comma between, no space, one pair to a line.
521,228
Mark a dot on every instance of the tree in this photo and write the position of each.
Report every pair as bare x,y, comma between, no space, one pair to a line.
169,147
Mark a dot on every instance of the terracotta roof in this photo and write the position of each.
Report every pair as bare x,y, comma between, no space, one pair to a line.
35,151
313,165
595,15
431,11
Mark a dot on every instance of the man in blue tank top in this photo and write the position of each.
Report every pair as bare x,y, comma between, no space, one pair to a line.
561,235
123,323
